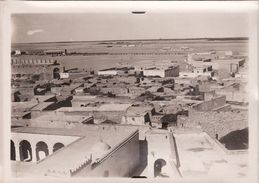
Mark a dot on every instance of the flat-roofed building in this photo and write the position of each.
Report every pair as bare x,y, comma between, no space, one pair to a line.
116,90
44,98
139,66
55,120
214,103
82,100
190,75
135,90
230,65
202,69
107,72
112,112
65,89
172,71
139,115
208,157
113,71
41,108
23,106
235,93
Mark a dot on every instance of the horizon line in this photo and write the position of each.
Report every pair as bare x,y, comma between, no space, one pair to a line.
151,39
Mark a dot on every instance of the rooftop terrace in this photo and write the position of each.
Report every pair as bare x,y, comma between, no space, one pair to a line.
207,157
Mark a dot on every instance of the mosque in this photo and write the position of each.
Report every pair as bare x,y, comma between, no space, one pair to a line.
91,151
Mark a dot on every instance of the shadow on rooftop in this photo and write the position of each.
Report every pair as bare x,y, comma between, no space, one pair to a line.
236,140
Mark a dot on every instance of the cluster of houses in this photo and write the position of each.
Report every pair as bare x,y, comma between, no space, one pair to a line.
146,93
128,120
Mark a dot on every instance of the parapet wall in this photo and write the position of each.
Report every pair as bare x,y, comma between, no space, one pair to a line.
20,61
211,104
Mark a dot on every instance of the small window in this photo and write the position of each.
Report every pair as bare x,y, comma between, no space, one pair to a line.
133,119
106,173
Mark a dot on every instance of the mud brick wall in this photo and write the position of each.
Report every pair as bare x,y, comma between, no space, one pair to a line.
211,104
213,123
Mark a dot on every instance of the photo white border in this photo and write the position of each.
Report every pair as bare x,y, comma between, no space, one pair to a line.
8,8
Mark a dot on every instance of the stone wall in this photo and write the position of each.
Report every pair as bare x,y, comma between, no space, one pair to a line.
211,104
115,116
213,123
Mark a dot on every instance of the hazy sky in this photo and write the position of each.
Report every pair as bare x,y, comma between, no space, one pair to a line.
108,26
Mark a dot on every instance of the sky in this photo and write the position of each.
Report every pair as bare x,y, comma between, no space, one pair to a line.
30,28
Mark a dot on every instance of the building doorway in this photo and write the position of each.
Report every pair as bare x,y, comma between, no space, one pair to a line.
56,74
25,151
158,167
42,150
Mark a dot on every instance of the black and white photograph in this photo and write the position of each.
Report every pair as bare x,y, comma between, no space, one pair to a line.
132,94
